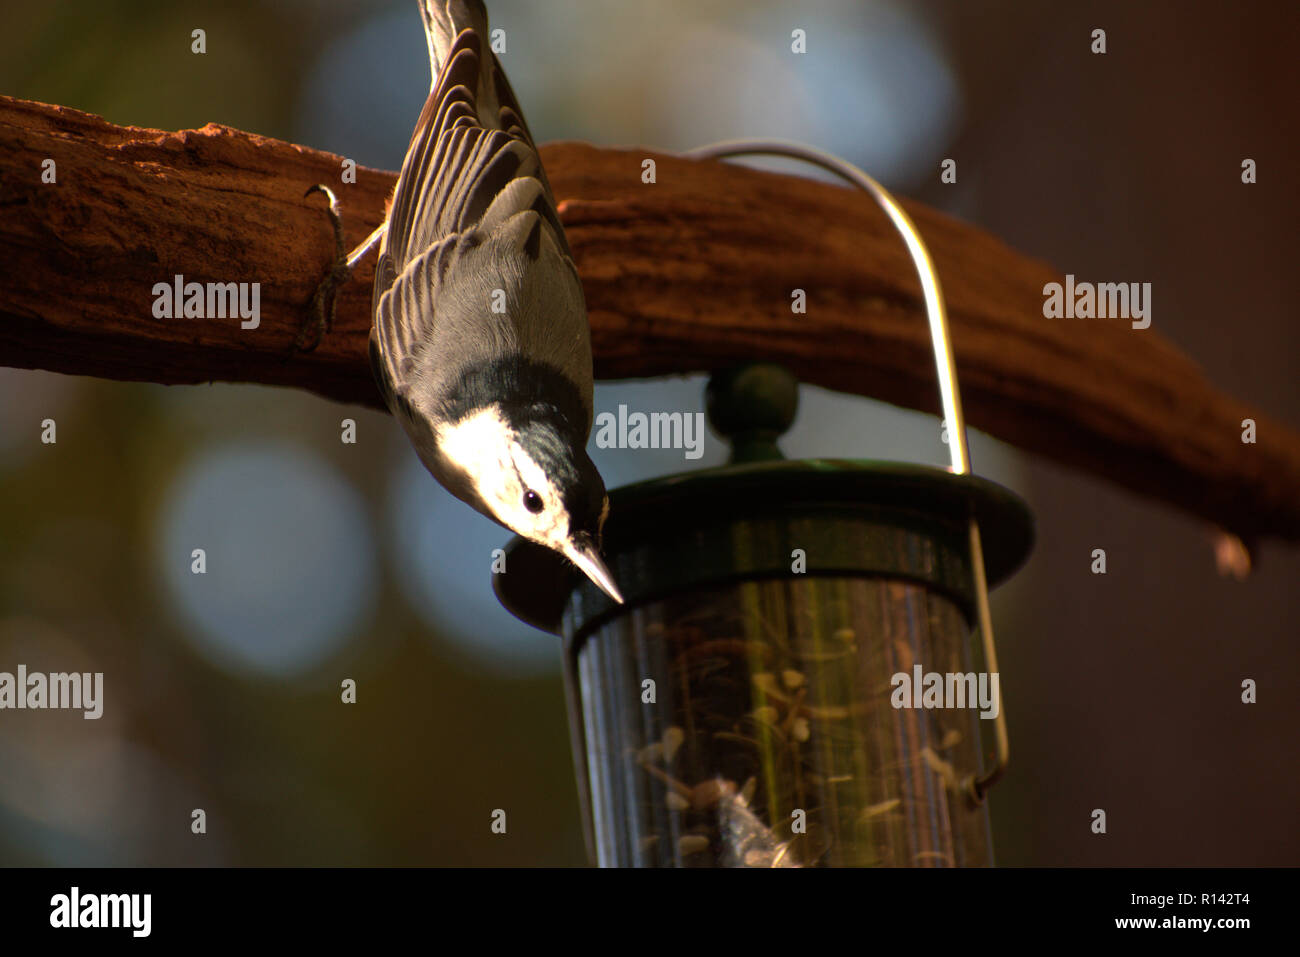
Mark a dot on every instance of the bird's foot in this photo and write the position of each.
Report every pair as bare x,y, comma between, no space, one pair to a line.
323,300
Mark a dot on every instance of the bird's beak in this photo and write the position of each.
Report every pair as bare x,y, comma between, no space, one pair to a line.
587,558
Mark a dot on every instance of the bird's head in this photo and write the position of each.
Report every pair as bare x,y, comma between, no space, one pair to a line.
530,473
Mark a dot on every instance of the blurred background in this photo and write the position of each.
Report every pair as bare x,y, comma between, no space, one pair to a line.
328,561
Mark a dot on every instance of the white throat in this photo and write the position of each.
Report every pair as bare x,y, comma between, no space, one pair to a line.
479,445
486,449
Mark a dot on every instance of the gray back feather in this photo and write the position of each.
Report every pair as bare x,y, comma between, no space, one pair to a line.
472,213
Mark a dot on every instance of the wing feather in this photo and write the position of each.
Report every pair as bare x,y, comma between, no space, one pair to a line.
470,170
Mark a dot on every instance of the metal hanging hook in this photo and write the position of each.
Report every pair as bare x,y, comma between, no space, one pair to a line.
945,367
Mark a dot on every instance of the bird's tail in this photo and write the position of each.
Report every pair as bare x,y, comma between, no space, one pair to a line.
443,20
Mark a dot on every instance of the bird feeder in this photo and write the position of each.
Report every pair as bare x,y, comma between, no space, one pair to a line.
766,695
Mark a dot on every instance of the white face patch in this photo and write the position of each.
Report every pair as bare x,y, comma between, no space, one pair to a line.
550,525
484,447
478,445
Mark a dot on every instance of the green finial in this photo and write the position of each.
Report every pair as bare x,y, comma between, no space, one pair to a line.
752,406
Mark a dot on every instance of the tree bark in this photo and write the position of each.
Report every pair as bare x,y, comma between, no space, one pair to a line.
688,273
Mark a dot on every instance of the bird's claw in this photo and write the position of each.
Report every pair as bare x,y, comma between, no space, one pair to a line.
323,300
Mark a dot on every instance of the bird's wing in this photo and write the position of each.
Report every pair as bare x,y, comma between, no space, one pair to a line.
470,167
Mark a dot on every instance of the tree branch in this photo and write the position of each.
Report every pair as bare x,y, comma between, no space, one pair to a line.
687,274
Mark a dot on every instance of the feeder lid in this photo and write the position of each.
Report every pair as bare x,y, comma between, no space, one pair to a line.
682,531
539,582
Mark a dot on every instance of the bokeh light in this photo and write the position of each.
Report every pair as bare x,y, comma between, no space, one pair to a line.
289,554
876,87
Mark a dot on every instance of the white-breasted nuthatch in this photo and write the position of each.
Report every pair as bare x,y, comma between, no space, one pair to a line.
480,343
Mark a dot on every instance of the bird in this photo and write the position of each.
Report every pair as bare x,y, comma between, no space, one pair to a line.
480,343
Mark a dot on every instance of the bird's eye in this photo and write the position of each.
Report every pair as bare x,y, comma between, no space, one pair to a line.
532,501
